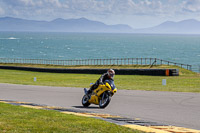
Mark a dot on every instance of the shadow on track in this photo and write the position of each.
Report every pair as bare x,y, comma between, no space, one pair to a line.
90,107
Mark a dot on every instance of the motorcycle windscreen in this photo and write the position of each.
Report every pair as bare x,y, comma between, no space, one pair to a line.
111,83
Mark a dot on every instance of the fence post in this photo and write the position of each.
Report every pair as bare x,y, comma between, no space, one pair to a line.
150,61
199,68
118,61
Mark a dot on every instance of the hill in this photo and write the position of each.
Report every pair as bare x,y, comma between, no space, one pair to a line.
61,25
190,26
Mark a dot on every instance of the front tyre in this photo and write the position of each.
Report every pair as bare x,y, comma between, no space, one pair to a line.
105,100
85,101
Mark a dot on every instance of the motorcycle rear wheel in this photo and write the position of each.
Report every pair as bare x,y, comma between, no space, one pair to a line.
85,101
105,100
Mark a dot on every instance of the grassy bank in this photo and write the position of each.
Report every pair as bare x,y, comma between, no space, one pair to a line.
187,81
16,119
90,66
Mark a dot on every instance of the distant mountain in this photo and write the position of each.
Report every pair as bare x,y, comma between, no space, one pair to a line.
61,25
190,26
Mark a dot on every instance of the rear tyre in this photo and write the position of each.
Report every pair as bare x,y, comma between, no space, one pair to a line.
105,100
85,101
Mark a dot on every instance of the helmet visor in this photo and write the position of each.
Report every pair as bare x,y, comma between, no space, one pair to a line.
112,75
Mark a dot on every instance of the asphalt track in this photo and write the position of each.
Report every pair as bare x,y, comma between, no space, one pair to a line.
171,108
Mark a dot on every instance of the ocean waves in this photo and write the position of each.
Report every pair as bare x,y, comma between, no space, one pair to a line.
9,38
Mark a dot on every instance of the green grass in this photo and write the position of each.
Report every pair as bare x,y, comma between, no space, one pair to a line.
16,119
90,66
187,82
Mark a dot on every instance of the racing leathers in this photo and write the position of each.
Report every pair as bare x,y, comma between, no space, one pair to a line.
100,81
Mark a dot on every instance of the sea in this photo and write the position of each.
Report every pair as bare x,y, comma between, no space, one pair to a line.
63,46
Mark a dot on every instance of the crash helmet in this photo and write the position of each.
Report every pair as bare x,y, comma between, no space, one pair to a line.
111,73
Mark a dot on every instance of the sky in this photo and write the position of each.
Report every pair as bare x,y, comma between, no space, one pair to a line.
135,13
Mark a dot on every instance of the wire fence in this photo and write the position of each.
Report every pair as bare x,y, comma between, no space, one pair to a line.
82,62
196,68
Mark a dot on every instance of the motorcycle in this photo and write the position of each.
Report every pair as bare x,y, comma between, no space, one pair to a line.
100,96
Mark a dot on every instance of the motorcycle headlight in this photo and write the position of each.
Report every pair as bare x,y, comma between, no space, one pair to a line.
115,90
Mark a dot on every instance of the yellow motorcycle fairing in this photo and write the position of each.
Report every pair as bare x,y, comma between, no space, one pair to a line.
96,94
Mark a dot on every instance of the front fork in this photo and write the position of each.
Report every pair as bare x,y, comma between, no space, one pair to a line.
86,93
85,90
109,94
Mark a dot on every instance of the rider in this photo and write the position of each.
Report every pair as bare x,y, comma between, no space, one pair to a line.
109,75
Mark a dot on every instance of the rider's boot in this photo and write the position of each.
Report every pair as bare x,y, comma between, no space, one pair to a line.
89,92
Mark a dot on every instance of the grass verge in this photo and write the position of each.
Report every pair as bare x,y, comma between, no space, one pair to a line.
187,81
90,66
16,119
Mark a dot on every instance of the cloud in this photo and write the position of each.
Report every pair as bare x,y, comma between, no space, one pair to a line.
191,6
110,11
32,9
32,3
2,11
100,7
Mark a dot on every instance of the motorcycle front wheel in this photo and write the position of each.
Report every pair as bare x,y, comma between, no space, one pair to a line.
85,101
105,100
